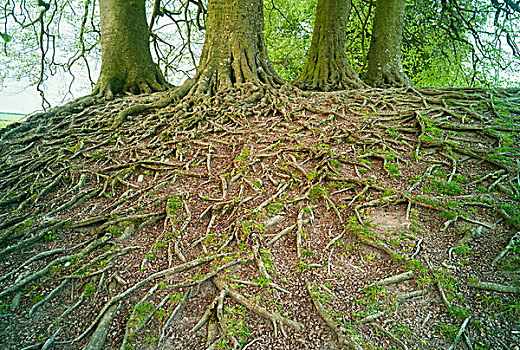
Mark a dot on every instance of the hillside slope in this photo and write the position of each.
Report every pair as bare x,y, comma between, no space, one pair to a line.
370,219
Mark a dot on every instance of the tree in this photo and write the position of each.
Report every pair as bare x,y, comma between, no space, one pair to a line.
127,64
327,66
234,50
384,55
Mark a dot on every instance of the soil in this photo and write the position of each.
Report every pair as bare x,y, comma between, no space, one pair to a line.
275,222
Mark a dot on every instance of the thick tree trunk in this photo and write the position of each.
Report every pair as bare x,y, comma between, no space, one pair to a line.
327,66
384,55
126,61
234,50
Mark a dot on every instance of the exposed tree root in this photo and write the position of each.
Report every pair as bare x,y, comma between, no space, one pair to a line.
459,334
39,273
396,279
401,344
343,338
277,319
138,203
494,287
174,314
514,241
97,340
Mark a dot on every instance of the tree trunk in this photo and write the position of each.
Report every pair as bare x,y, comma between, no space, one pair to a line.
327,66
384,55
126,61
234,50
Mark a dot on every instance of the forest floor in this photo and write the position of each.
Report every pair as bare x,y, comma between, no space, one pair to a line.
368,219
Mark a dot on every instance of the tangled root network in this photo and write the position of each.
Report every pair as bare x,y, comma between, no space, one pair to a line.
264,219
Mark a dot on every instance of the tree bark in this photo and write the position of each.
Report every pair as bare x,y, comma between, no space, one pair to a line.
384,56
234,50
327,66
126,61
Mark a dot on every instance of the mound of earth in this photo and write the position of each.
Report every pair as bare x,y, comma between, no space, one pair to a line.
358,219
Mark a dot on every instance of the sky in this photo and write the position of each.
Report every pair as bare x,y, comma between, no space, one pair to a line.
19,96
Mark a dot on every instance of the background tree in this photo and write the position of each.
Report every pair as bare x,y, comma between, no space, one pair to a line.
384,56
127,64
177,29
327,66
57,48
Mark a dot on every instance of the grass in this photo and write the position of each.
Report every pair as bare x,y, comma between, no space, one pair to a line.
8,118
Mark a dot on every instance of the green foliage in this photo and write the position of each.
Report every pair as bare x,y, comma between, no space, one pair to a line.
174,205
49,236
89,289
441,46
393,169
375,299
363,231
301,266
317,192
468,43
276,206
447,330
141,312
458,313
359,29
446,46
6,37
288,34
236,327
